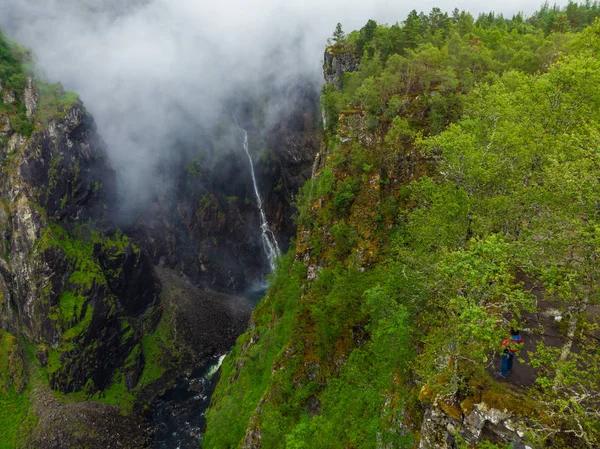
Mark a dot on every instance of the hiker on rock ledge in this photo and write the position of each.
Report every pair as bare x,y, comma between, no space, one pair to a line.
511,345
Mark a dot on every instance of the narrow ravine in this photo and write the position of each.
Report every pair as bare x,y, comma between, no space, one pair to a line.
179,414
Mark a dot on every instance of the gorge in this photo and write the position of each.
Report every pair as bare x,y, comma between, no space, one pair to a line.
338,266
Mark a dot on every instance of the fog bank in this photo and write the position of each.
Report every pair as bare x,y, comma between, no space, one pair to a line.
139,64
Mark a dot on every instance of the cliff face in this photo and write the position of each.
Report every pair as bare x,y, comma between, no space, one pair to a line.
498,416
294,140
338,61
74,291
68,284
422,239
32,196
203,219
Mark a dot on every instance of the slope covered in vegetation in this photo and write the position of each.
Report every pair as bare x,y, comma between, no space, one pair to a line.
456,196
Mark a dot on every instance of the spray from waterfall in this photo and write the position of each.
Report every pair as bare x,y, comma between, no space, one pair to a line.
269,241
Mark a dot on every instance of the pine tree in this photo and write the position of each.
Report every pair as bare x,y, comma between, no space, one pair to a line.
338,34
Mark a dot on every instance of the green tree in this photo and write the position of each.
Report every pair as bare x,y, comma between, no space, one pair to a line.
413,30
366,36
338,34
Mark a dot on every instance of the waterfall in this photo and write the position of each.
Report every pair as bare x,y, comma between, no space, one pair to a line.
269,242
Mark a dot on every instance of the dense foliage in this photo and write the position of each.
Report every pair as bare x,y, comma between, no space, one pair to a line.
13,77
457,196
15,68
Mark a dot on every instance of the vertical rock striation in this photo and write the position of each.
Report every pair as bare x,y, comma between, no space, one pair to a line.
68,282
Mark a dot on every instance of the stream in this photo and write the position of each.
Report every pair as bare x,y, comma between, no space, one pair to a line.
179,414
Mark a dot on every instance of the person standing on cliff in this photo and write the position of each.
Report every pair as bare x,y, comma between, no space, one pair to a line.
511,345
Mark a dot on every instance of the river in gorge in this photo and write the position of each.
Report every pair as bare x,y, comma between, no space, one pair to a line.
178,416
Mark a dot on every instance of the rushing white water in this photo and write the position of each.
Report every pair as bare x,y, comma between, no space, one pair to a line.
214,368
269,241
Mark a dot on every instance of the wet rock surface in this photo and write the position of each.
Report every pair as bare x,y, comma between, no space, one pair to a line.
203,219
208,324
178,415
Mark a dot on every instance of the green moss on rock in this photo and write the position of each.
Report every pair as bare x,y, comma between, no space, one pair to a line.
14,78
14,400
54,102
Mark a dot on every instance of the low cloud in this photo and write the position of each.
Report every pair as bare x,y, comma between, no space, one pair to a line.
137,64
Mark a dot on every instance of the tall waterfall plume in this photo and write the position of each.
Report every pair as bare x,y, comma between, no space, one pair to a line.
269,241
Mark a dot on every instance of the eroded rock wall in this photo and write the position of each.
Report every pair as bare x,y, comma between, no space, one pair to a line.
203,219
337,62
69,283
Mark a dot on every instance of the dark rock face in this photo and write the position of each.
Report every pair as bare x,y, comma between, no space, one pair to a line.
204,220
64,167
208,322
295,140
49,176
66,281
336,63
130,277
203,229
102,347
